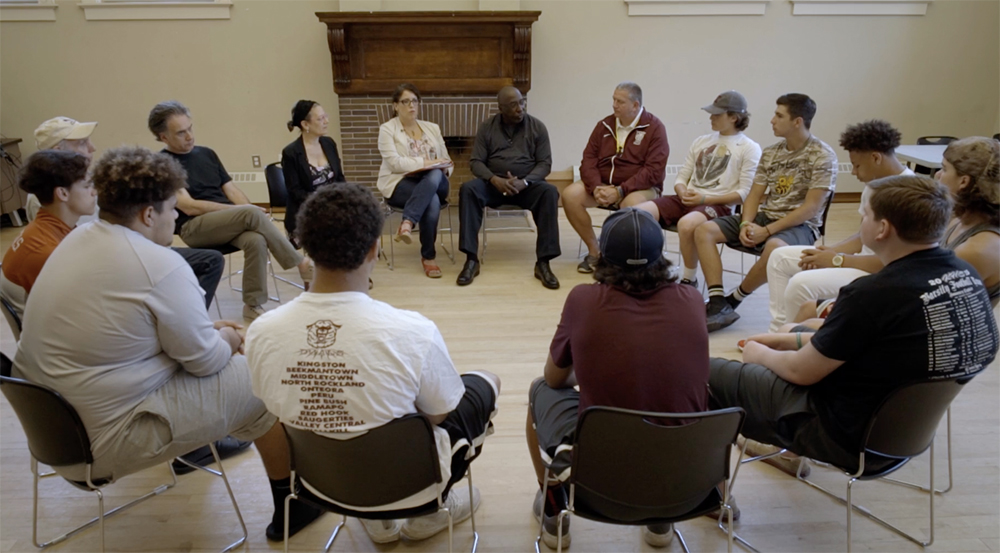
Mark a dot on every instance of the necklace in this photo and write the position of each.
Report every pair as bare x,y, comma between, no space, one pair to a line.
414,134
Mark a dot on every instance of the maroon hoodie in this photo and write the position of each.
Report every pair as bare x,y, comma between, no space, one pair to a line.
641,165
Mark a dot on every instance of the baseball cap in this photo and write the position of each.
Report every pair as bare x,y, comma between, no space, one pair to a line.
57,129
727,101
631,239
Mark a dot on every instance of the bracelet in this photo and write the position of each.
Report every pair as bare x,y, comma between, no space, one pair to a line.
743,224
798,340
768,231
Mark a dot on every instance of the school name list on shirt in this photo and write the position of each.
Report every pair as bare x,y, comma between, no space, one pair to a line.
325,409
961,336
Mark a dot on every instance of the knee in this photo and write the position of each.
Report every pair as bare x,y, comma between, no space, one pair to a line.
492,377
253,242
470,188
770,246
689,223
573,194
705,234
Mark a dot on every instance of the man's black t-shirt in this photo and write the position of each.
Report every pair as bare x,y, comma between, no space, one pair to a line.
206,175
923,317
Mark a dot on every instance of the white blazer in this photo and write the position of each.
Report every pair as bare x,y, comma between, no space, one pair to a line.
394,145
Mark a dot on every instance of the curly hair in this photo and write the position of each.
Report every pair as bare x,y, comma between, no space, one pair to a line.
162,112
47,170
634,281
130,178
874,135
799,105
742,119
978,158
338,225
918,207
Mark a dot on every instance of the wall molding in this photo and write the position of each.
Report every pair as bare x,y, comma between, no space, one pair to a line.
38,11
696,7
859,7
130,11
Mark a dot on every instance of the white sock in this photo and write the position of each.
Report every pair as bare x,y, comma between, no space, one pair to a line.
689,273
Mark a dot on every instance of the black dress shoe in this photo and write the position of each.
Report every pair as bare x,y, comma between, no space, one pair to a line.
544,273
469,272
227,447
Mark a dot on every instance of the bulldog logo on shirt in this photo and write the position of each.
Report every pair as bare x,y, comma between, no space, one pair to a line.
322,334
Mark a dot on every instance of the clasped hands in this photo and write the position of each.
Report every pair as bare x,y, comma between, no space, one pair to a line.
752,235
231,333
509,185
606,195
820,257
689,197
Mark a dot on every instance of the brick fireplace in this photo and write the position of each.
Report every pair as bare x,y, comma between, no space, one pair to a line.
458,60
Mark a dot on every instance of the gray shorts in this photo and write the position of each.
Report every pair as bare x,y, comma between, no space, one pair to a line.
554,413
799,235
184,414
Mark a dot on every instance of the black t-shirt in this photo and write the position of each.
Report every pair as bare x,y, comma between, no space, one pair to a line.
923,317
206,175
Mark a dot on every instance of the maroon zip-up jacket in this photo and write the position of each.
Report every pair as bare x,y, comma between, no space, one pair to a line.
642,163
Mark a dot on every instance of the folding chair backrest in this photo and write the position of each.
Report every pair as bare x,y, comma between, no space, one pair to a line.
936,140
905,424
629,463
826,213
276,192
56,435
12,319
380,467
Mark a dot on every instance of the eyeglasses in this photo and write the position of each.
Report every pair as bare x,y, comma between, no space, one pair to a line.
410,102
522,102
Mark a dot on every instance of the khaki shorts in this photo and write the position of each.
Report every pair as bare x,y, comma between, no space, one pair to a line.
184,414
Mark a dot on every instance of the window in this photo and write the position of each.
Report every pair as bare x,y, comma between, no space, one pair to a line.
104,10
27,10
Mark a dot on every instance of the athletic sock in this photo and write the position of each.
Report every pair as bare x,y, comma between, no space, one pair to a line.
299,515
716,291
689,274
737,297
555,500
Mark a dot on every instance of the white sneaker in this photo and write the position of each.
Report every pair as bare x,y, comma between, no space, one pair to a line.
382,531
251,312
421,528
658,535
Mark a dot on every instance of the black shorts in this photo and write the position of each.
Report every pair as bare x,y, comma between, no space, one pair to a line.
799,235
469,424
554,413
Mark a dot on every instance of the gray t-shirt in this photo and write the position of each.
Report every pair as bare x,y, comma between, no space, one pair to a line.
111,318
790,175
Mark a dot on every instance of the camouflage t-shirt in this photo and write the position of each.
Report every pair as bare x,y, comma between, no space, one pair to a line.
789,175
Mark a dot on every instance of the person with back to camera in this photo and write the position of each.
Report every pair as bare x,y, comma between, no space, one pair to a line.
309,162
414,172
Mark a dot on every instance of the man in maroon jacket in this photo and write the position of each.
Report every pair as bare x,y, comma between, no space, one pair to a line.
623,165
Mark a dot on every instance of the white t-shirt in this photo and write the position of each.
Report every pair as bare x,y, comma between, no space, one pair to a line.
717,165
341,364
866,195
110,319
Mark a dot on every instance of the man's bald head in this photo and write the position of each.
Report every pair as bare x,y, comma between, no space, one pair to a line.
511,105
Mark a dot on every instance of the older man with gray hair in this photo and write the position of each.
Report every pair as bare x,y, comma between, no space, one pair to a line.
623,165
68,135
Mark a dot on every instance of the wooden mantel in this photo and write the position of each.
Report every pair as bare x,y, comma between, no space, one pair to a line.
439,52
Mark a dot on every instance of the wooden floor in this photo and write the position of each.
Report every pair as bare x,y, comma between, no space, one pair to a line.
504,322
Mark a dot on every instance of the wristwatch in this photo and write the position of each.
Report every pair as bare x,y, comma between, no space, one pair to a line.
838,260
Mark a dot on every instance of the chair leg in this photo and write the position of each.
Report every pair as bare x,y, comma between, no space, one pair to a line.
472,505
96,520
541,519
951,480
100,515
232,498
288,507
333,536
559,524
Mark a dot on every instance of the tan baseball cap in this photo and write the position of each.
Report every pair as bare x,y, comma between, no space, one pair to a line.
57,129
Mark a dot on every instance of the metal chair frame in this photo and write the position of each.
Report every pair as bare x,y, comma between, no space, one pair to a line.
497,214
726,509
390,210
89,485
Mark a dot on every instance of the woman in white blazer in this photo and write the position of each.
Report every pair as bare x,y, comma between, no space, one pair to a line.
414,172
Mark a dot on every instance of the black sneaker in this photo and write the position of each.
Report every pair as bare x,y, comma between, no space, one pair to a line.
693,283
722,318
587,265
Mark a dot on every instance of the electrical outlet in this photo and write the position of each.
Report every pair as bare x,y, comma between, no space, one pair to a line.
256,161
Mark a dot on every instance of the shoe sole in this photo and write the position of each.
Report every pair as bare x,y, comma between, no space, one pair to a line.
550,539
394,537
583,271
455,522
404,238
727,320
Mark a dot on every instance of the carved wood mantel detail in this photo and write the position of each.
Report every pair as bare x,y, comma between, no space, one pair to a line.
438,52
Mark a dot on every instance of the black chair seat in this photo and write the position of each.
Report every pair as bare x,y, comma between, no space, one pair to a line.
306,496
224,249
596,508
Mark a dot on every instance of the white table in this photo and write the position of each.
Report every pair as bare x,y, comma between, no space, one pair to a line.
926,155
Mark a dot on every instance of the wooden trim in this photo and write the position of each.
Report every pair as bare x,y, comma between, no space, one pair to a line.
846,197
339,18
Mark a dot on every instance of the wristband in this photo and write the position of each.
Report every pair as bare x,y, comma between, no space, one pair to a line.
743,224
621,193
798,340
768,231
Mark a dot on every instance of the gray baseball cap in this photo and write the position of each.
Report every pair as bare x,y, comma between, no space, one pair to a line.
728,101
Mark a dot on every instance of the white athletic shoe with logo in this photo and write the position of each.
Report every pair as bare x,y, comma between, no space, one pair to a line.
421,528
382,531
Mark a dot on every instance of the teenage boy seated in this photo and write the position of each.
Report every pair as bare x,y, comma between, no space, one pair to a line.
635,339
924,316
116,323
393,362
798,174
